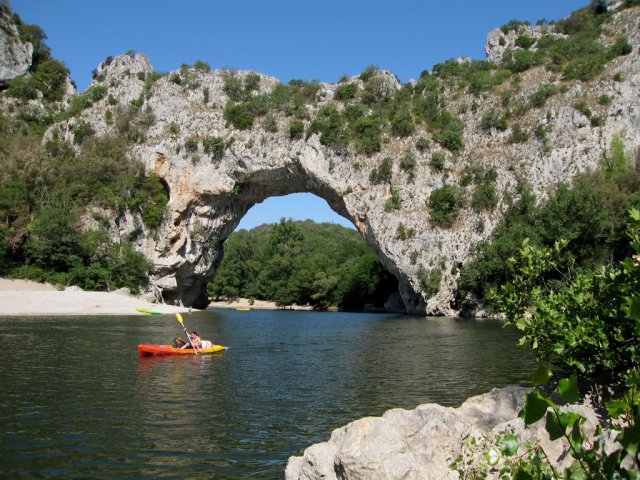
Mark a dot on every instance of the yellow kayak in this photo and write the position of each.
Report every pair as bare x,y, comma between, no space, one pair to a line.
153,349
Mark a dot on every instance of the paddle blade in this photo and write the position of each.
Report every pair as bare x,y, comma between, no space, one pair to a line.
180,319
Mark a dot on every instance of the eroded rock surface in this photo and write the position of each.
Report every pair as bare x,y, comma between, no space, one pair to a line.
422,444
15,55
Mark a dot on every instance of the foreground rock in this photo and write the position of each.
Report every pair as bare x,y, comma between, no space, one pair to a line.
422,443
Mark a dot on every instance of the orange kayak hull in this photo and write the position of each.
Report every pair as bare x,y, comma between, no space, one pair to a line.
154,349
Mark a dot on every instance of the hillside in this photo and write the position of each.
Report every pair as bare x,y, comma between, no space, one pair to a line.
425,170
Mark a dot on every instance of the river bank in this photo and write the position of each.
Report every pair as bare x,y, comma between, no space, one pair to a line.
29,298
24,297
256,305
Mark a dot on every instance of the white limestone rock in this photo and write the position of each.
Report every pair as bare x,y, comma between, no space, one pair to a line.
15,55
424,442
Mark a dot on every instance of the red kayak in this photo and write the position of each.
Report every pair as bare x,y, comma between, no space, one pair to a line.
153,349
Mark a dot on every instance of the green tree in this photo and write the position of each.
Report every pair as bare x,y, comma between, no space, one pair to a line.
587,321
55,241
50,78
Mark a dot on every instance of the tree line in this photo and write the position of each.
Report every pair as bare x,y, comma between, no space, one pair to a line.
302,262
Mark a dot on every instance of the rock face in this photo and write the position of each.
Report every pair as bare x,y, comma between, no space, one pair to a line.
210,192
498,41
421,444
15,55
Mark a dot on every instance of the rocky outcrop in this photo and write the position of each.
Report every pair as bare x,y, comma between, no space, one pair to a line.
211,191
502,40
424,442
15,55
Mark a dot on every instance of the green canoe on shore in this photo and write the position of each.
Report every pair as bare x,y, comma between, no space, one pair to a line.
150,312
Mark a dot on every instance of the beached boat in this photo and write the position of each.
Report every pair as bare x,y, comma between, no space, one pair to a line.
243,309
147,311
154,349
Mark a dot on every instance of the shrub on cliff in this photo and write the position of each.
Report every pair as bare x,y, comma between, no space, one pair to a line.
540,96
445,204
49,78
514,25
149,199
382,173
202,66
81,131
449,132
331,126
191,145
22,88
620,47
296,129
493,119
240,116
214,146
293,98
408,163
430,280
525,41
231,85
346,91
485,195
520,60
366,131
402,124
437,161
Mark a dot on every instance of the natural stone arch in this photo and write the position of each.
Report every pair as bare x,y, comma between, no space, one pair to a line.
211,192
208,220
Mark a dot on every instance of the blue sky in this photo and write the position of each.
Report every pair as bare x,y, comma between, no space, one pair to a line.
310,40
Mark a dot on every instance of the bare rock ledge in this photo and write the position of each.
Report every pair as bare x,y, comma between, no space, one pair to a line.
422,443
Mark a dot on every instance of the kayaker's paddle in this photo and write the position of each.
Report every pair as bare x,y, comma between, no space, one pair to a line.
186,333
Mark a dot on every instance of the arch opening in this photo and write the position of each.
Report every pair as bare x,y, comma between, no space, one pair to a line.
295,250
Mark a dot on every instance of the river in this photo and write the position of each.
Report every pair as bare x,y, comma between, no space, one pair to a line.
77,401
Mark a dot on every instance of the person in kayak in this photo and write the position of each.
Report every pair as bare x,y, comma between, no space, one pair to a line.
196,341
179,343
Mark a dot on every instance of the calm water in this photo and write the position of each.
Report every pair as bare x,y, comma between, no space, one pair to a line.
76,401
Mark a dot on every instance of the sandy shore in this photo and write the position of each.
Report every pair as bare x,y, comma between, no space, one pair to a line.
23,297
257,305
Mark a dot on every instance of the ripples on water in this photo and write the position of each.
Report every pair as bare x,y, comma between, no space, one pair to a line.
78,402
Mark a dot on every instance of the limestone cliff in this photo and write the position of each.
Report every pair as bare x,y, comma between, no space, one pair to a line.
15,54
212,188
